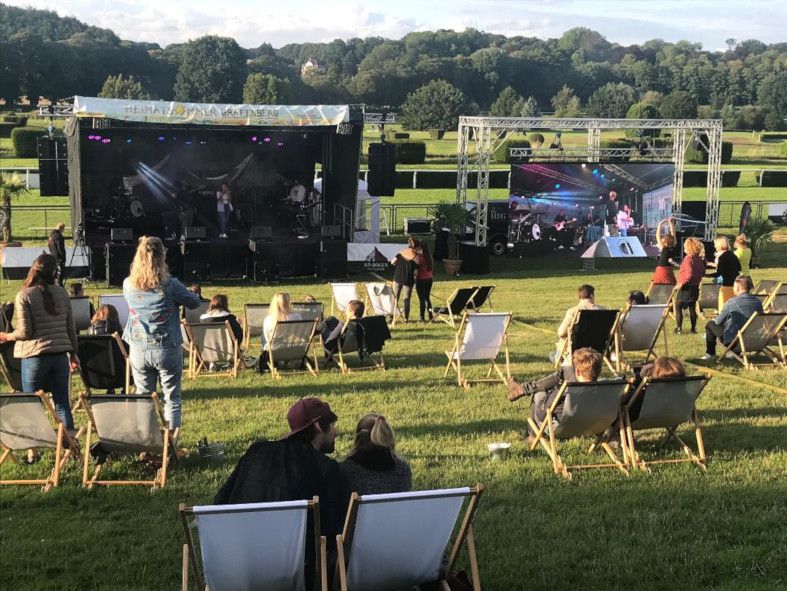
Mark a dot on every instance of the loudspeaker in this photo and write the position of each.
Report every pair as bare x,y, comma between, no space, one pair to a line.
196,261
194,232
261,233
332,231
417,226
475,259
333,259
382,170
121,235
52,166
118,259
615,247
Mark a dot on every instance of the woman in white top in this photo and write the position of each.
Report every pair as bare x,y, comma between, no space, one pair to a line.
280,310
625,221
223,209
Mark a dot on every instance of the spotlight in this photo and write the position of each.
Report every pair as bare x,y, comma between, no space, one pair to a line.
557,185
267,140
595,171
106,140
603,176
584,165
161,138
254,138
128,140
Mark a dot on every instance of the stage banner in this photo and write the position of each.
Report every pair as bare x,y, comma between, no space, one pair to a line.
211,114
371,257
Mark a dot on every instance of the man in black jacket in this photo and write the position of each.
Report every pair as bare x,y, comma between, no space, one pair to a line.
57,248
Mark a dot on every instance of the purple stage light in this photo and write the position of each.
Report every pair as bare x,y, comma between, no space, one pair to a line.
254,138
106,141
267,140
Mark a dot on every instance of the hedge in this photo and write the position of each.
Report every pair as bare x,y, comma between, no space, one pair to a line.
773,178
699,178
617,144
25,141
401,135
773,136
436,134
410,152
700,156
18,120
783,149
6,128
501,153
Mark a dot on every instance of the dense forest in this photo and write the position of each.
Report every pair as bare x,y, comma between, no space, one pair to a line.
42,54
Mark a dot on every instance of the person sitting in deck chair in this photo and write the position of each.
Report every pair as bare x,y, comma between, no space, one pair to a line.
330,329
586,294
732,317
585,367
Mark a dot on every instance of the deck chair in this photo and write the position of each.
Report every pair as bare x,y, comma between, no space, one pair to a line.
253,318
193,316
589,409
778,303
212,343
708,302
126,424
380,301
10,367
291,344
259,546
309,310
417,527
665,403
591,328
341,295
26,421
638,329
481,297
758,337
103,363
662,293
372,332
455,306
120,304
765,286
80,311
480,337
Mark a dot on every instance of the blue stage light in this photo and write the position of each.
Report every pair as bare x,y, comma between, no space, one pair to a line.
557,185
161,138
595,171
128,140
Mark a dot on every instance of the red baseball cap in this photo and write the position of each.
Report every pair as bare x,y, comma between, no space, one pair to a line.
306,412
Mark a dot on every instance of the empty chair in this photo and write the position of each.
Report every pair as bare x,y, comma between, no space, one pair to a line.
758,337
103,363
366,336
708,302
290,344
193,316
10,367
456,305
80,311
212,346
589,409
591,328
661,293
308,310
778,303
765,286
253,319
125,424
638,329
260,546
481,297
665,403
480,337
380,300
401,540
120,304
341,295
26,422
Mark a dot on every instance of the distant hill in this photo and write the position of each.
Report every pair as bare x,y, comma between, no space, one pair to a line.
45,23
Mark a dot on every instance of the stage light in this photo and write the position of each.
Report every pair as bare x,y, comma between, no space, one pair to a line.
128,140
584,165
595,171
254,138
557,185
280,144
106,140
267,139
603,176
161,138
202,142
189,142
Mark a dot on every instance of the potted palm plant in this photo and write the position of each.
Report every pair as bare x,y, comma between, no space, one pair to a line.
760,235
11,185
454,218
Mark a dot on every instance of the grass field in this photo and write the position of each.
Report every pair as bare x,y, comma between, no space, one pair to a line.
676,528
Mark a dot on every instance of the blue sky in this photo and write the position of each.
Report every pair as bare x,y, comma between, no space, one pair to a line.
252,22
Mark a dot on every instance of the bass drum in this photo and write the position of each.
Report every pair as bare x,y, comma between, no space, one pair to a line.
136,209
535,231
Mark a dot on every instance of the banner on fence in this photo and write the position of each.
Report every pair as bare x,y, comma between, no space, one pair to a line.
371,257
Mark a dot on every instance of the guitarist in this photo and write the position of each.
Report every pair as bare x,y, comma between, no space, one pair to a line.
565,238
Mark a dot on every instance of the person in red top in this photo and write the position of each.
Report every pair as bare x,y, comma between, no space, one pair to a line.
423,280
692,269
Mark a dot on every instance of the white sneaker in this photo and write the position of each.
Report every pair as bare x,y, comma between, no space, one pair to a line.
708,357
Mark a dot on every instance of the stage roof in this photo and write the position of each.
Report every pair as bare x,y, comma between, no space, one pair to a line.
175,112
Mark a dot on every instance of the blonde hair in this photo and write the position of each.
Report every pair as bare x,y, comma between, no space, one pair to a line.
721,243
280,307
149,269
667,367
694,247
374,430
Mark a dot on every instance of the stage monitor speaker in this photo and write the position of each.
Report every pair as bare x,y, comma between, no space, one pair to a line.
475,259
417,226
333,259
615,247
382,170
261,233
194,233
121,235
332,231
196,261
118,259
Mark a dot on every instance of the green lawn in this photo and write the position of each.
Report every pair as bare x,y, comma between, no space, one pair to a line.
676,528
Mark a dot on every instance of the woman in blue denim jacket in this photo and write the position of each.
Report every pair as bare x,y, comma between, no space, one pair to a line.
153,327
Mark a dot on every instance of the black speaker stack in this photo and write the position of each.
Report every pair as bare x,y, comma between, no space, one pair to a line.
52,166
333,259
118,257
382,170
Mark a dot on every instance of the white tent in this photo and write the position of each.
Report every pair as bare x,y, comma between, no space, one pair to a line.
367,231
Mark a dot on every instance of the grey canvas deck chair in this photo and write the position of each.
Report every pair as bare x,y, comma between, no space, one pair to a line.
365,336
778,303
591,328
80,311
309,310
290,345
481,336
708,302
126,424
380,301
103,363
193,316
29,421
253,317
455,306
761,335
665,403
213,345
10,367
252,546
589,409
765,286
401,540
482,297
638,329
660,293
341,295
117,300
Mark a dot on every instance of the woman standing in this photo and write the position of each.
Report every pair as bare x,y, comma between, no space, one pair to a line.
153,328
223,209
423,280
405,270
280,310
728,267
692,269
45,336
668,253
743,252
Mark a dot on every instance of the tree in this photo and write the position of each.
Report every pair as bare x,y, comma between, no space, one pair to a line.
508,103
566,103
772,93
773,120
266,89
679,104
11,185
436,105
530,108
213,70
642,111
123,88
611,101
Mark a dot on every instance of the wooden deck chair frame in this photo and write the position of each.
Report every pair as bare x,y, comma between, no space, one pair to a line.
550,446
378,363
708,303
485,299
161,474
191,565
196,361
335,306
65,449
312,366
744,357
632,456
464,536
448,316
620,362
372,311
770,286
247,331
568,347
456,364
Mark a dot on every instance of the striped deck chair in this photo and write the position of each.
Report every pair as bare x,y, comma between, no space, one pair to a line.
253,318
341,295
638,329
290,345
481,337
455,306
759,336
213,344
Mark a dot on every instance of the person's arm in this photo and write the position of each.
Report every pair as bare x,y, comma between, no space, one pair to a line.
725,313
182,295
564,327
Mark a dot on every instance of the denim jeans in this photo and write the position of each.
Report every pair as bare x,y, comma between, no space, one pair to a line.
150,365
50,373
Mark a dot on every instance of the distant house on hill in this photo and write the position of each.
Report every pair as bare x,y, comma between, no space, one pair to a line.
312,66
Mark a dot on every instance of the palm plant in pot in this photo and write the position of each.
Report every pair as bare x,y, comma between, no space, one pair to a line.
760,236
455,218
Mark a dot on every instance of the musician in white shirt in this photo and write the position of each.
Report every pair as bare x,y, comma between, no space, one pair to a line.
298,193
625,220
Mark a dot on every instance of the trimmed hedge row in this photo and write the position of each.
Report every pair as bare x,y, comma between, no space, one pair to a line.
25,141
18,120
699,178
6,128
410,152
501,153
773,178
700,156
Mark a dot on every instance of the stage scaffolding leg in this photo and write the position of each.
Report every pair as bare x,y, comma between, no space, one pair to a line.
679,158
484,149
594,144
714,182
461,168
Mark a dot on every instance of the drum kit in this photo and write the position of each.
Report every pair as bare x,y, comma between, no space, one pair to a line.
525,229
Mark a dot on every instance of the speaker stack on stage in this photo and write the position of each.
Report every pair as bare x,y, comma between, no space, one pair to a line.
382,170
52,166
196,254
118,254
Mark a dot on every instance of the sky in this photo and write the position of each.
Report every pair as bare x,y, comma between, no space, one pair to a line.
253,22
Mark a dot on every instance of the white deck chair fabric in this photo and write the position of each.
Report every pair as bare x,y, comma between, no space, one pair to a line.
127,423
668,403
24,423
193,316
214,342
638,329
80,311
291,340
589,408
254,546
308,310
483,335
382,299
343,294
417,527
120,304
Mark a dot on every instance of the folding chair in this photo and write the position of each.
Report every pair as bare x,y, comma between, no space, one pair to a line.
591,328
120,304
372,332
778,303
290,343
455,306
400,540
259,546
481,336
665,403
756,337
253,318
481,297
380,300
10,367
26,423
589,409
309,310
765,286
212,343
638,329
80,311
193,316
341,295
708,302
126,424
103,363
662,293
